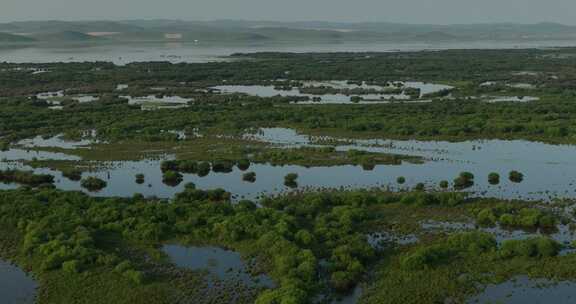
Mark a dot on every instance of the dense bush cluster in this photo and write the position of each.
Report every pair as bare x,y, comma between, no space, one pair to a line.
512,216
92,183
550,119
291,234
464,180
25,178
474,244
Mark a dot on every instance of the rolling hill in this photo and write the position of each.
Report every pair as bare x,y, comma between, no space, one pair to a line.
234,31
5,37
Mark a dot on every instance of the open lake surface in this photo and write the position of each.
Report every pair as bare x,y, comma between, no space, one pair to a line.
177,52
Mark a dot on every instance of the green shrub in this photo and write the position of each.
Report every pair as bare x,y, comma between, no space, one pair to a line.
533,247
187,166
464,180
243,164
473,243
71,266
123,267
444,184
223,166
249,177
420,187
494,178
486,217
290,180
516,177
204,169
426,257
172,178
140,178
508,220
93,183
136,277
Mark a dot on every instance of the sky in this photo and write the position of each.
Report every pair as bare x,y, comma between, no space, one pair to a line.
403,11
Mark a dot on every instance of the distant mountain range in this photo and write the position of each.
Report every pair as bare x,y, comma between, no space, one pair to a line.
246,31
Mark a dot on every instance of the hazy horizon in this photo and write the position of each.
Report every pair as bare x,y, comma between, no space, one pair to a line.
440,12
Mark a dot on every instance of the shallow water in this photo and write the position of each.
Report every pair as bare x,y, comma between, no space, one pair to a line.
523,290
16,287
55,98
513,99
55,141
379,240
561,234
271,91
549,170
220,263
7,157
154,99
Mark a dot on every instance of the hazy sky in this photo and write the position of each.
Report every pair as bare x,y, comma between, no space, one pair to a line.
407,11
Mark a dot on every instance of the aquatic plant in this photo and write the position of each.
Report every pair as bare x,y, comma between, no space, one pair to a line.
92,183
464,180
494,178
249,177
516,177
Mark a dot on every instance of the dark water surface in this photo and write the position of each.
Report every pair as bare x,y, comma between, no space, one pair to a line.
16,287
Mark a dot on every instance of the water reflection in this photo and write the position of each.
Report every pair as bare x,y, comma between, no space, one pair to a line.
271,91
56,141
549,170
220,263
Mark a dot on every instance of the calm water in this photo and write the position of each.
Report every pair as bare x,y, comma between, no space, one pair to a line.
523,290
206,52
271,91
220,263
15,286
549,170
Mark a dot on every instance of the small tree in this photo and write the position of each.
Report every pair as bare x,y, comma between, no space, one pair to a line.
420,187
172,178
204,169
290,180
249,177
494,178
140,178
92,183
444,184
516,177
243,164
71,266
464,180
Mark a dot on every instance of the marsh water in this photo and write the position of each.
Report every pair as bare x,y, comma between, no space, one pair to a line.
16,287
220,263
522,290
271,91
549,170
